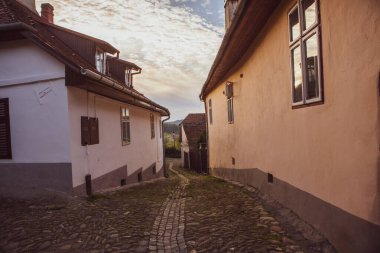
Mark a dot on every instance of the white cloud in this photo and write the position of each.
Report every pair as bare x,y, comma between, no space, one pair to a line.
174,46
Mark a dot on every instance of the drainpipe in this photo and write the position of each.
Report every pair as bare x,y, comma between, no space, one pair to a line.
166,174
208,156
132,74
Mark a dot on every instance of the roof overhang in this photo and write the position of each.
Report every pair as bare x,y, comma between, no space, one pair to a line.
249,20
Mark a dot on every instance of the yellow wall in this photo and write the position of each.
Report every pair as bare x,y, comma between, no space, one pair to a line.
329,150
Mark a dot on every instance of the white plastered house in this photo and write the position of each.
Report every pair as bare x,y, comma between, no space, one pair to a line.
68,110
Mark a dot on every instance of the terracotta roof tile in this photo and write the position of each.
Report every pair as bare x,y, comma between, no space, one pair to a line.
13,12
194,126
6,16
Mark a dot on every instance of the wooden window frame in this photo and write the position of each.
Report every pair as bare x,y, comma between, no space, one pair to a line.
125,123
230,102
210,111
305,34
89,131
5,119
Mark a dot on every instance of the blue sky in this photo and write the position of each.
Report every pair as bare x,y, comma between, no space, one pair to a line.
173,41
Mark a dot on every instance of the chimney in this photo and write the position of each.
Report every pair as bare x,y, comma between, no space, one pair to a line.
30,4
230,7
47,12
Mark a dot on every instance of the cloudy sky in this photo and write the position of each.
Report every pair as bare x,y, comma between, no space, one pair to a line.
173,41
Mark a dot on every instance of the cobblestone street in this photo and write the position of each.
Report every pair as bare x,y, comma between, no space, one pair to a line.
186,213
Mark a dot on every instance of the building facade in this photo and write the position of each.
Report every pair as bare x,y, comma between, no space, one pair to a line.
69,115
293,109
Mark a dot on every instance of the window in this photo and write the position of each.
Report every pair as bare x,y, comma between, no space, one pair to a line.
230,104
210,111
125,127
304,39
128,77
89,131
5,131
152,131
100,61
160,125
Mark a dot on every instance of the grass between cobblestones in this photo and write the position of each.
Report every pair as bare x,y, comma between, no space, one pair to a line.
118,221
222,217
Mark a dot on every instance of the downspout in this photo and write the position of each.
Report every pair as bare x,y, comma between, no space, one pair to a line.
163,145
132,74
208,156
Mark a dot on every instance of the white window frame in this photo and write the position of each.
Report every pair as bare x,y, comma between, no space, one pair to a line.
125,126
100,60
128,77
152,127
300,41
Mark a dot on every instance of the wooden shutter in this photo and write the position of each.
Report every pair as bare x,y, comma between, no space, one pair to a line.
94,131
85,131
5,131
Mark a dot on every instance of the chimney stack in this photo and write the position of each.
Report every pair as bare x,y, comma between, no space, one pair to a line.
47,12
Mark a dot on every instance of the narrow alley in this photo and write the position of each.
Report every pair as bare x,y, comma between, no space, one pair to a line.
186,213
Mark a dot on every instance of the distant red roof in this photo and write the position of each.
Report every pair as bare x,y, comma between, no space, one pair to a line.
194,126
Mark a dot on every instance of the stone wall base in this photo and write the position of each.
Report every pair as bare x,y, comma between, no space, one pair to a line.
348,233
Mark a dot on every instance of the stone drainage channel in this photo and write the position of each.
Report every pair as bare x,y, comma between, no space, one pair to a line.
167,234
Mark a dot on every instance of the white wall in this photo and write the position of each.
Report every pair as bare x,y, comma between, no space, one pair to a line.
34,83
109,154
184,146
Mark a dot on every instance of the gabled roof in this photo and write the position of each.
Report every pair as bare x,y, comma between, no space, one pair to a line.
194,126
18,18
250,18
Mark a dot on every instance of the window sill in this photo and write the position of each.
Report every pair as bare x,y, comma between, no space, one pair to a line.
125,143
307,105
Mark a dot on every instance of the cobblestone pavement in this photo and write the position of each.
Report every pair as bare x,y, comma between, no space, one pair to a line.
115,222
226,217
169,226
186,213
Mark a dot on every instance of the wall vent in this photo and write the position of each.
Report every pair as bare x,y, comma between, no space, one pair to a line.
154,170
139,177
270,178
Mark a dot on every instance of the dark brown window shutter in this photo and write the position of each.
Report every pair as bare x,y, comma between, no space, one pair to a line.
85,131
5,131
94,130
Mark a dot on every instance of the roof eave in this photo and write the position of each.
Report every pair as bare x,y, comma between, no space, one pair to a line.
259,11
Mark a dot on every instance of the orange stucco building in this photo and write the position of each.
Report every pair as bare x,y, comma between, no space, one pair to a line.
292,101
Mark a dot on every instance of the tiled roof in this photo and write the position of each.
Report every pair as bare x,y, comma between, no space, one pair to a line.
195,119
194,126
6,16
249,20
37,30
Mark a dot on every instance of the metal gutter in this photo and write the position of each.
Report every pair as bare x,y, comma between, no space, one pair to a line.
141,100
16,26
